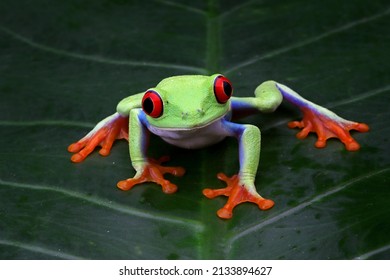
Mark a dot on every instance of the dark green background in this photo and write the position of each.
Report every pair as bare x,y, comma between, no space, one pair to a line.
65,64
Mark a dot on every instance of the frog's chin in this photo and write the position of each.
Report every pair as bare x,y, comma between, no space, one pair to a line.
193,137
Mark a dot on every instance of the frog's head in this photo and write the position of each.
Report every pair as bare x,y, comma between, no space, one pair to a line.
187,102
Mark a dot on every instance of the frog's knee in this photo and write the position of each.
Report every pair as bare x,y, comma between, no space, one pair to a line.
269,96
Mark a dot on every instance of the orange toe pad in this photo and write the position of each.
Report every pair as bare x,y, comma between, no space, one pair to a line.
328,125
237,194
154,172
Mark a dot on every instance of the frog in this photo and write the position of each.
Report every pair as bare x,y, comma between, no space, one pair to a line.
196,111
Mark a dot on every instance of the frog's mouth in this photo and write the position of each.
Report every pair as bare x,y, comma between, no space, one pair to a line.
188,128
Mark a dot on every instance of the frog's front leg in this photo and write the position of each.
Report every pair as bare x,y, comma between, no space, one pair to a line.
106,131
241,188
147,170
104,134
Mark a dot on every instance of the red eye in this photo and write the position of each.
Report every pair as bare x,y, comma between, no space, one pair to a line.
152,104
223,89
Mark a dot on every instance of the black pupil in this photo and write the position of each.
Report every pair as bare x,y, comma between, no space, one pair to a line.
227,88
148,105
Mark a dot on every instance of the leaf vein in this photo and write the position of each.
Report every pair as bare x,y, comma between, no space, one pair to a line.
239,6
39,249
181,6
305,204
198,227
359,97
373,252
47,123
98,59
308,41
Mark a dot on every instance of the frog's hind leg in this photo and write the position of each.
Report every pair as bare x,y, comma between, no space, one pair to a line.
321,121
317,119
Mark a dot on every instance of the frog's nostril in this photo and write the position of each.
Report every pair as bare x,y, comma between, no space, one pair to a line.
193,114
197,113
201,112
184,115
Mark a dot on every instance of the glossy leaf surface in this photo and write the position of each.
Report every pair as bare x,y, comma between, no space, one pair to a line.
64,65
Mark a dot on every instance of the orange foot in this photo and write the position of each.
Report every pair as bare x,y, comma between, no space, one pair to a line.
154,172
328,125
237,194
104,134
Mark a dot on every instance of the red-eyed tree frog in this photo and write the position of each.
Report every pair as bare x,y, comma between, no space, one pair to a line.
195,111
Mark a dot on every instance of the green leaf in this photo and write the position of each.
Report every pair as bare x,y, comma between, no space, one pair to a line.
64,65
